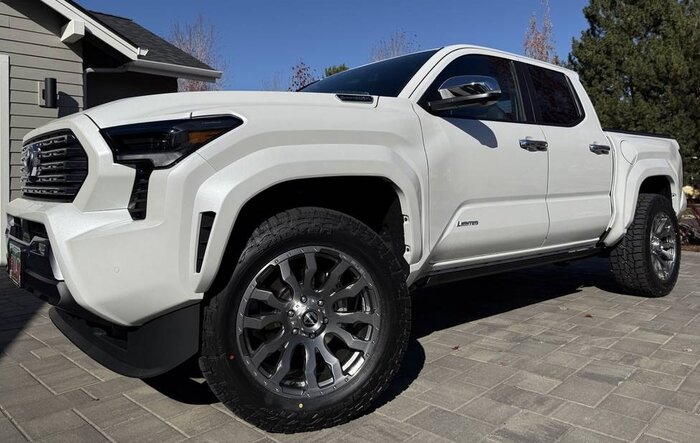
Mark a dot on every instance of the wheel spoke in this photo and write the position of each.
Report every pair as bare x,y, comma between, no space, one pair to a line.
289,277
268,298
262,321
660,266
661,225
268,348
351,291
310,271
349,340
285,363
334,277
665,255
668,244
367,318
332,361
310,365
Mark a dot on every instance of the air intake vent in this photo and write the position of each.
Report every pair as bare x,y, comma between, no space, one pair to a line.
54,167
206,221
139,194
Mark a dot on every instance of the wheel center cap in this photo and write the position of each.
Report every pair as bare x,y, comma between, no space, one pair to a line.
310,319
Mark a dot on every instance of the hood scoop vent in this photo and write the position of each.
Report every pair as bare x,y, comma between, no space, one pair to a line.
356,98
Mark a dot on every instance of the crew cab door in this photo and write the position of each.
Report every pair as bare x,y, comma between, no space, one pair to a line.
487,192
580,160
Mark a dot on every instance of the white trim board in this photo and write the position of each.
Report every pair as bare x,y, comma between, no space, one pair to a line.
4,148
94,27
120,44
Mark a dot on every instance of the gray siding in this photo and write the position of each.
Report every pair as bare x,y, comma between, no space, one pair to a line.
30,36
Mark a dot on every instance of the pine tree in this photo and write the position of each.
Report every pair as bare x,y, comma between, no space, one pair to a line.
334,69
640,63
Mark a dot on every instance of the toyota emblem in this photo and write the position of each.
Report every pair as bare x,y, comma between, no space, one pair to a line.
310,319
32,161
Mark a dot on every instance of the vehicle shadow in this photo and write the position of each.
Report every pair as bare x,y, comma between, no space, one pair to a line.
442,307
18,309
436,309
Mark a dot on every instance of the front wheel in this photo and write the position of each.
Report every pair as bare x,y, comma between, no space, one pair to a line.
647,260
312,326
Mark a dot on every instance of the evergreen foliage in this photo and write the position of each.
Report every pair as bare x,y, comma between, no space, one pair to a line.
640,63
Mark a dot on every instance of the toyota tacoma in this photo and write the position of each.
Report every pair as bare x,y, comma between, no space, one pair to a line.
276,236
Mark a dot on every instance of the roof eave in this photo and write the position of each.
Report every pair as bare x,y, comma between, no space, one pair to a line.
129,49
172,70
96,28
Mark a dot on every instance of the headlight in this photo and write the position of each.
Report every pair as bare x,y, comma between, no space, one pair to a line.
164,143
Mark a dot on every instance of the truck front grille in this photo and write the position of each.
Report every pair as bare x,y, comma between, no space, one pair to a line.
54,167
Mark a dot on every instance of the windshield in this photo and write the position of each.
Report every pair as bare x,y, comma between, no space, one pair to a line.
386,78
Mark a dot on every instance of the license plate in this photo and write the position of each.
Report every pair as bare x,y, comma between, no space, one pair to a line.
14,263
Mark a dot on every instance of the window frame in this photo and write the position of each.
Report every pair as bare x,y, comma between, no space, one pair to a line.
519,88
535,105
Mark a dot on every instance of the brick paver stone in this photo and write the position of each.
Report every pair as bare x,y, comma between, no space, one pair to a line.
551,354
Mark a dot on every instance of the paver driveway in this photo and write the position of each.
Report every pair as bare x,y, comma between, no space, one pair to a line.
550,354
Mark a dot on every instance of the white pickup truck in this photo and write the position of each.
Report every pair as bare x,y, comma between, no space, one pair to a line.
277,236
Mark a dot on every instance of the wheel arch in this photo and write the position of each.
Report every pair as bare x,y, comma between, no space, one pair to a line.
653,180
383,213
652,176
247,192
658,184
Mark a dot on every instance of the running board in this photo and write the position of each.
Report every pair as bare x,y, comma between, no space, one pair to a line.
451,275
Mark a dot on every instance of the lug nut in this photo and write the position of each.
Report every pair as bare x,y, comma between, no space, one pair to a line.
312,335
325,320
320,303
290,313
295,331
303,299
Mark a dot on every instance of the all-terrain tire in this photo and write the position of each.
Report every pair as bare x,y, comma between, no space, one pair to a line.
222,359
631,259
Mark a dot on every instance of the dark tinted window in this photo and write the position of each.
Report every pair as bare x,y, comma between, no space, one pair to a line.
386,78
554,97
508,108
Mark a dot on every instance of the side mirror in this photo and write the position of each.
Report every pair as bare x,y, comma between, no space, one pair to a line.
466,90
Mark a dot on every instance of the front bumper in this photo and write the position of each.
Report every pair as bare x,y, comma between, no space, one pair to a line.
122,271
153,348
145,351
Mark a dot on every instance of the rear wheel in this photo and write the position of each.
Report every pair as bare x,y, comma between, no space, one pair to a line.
312,326
647,260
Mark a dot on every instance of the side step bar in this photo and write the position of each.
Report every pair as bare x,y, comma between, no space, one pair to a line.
451,275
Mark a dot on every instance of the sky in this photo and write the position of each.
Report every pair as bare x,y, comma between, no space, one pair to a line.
261,40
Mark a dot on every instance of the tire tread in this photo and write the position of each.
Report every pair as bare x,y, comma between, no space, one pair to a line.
629,259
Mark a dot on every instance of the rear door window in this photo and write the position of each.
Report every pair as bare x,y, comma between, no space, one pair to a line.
554,98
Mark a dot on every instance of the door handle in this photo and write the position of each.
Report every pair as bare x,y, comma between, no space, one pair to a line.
533,145
599,149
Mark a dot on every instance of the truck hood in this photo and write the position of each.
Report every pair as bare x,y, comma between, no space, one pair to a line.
188,104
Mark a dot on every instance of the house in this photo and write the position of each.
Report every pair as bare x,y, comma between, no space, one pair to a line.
94,58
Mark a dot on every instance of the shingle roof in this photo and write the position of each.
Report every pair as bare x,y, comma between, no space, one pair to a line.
159,50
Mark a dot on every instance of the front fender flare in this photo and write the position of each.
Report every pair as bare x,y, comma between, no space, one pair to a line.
228,190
